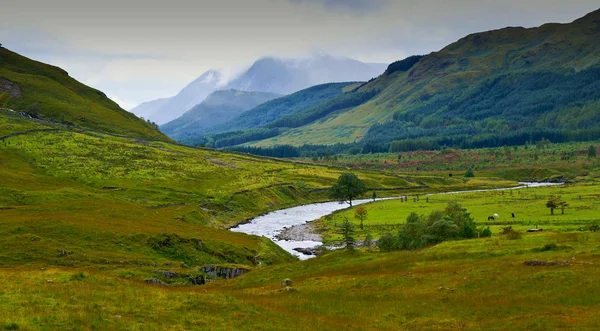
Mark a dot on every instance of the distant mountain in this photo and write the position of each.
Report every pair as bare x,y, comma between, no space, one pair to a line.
285,76
503,87
164,110
219,107
49,93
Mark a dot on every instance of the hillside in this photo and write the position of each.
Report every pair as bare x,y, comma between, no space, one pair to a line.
533,83
241,128
165,110
48,92
121,205
218,108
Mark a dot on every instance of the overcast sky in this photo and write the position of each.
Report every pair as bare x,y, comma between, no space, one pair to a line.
139,50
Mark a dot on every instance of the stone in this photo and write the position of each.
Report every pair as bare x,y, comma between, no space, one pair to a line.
286,282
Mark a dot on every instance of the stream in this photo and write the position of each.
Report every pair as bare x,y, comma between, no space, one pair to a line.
273,223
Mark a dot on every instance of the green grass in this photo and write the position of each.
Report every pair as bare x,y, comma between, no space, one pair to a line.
528,205
49,92
125,204
471,284
542,162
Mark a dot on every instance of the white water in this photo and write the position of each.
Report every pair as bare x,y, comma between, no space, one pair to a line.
271,224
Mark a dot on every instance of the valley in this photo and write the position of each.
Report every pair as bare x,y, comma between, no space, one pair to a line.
457,189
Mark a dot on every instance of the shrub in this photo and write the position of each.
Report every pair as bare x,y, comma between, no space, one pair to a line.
387,243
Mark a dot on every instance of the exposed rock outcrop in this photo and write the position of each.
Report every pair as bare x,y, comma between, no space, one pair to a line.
11,88
224,272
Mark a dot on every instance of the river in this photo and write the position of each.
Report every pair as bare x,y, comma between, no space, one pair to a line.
271,224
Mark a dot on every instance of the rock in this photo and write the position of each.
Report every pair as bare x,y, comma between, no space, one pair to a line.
10,87
154,281
290,289
170,274
227,273
197,280
286,283
306,251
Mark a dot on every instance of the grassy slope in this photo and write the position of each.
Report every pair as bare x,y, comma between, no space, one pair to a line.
63,99
120,205
475,284
128,204
454,71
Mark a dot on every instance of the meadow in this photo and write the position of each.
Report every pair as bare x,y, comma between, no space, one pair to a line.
527,204
93,225
471,284
126,205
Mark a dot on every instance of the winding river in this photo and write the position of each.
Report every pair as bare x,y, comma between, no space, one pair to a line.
271,224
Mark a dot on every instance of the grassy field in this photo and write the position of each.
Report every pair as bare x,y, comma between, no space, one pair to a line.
471,284
87,218
528,205
127,206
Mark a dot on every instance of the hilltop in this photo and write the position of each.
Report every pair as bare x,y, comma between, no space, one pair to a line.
533,83
47,92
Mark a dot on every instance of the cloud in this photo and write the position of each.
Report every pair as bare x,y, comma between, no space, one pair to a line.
353,6
139,50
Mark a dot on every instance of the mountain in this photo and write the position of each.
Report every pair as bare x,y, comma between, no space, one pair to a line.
249,125
501,87
162,111
285,76
218,108
47,92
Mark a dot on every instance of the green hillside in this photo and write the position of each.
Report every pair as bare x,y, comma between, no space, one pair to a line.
218,108
122,205
261,121
502,87
47,92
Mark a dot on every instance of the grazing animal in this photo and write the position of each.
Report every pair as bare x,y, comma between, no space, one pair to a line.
491,218
496,216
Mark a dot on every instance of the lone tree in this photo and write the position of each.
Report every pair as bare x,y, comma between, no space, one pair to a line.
555,202
592,152
361,214
347,231
347,188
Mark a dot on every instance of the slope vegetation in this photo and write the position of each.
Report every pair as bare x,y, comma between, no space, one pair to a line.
533,83
48,92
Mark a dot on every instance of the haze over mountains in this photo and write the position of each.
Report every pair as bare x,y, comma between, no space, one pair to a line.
268,74
506,86
167,109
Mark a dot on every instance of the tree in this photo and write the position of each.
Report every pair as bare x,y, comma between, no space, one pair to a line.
469,174
592,152
347,188
361,214
347,231
553,203
563,205
368,242
374,196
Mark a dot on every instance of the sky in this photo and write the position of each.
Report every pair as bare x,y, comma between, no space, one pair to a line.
140,50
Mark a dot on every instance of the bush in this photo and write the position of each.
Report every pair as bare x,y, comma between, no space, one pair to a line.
510,233
387,243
